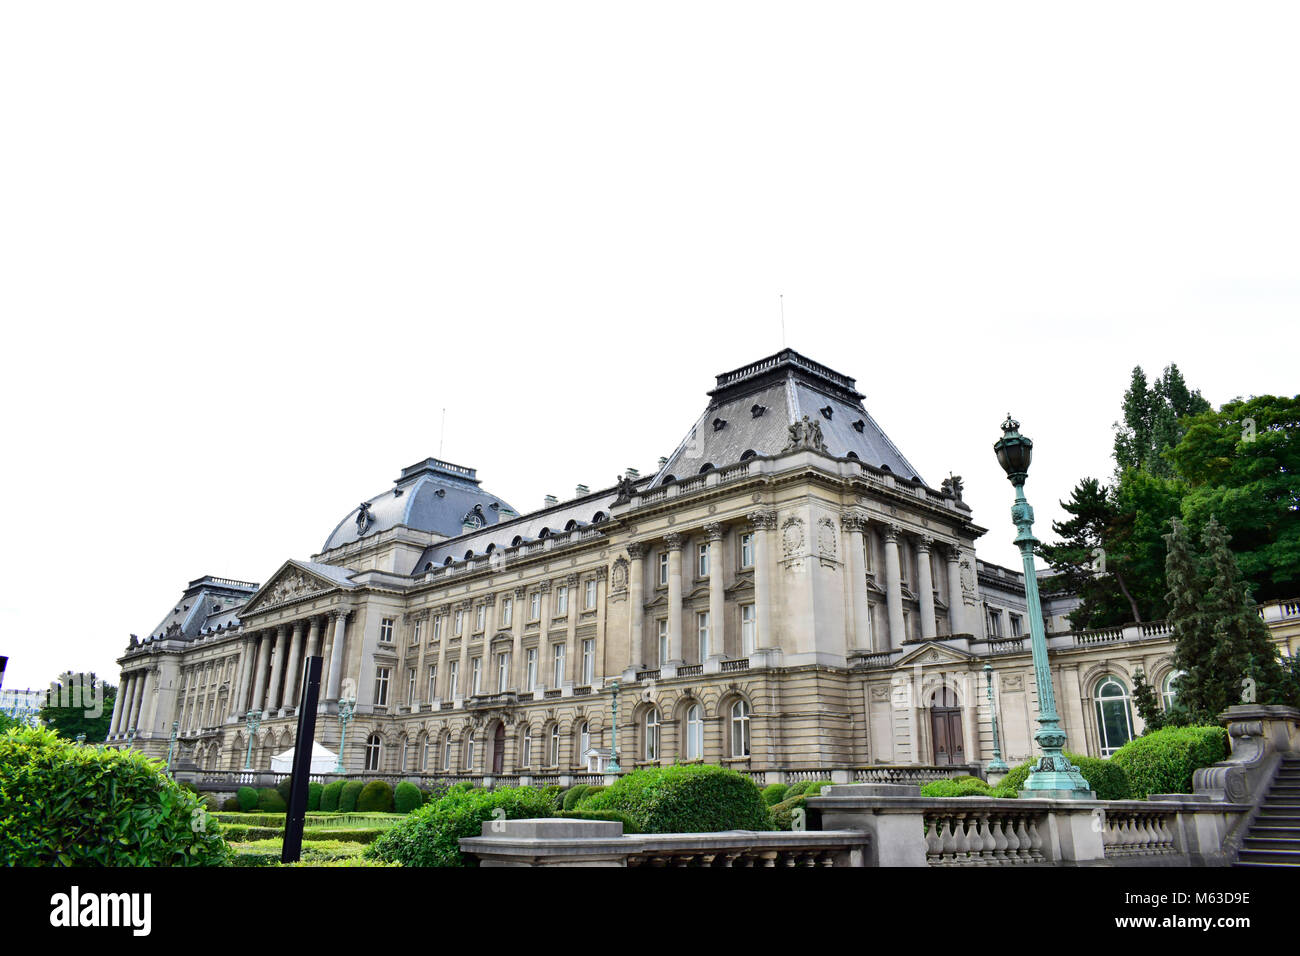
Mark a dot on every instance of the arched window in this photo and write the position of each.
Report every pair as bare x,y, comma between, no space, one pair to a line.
652,734
740,728
446,753
668,478
401,767
570,524
1169,689
516,541
526,747
469,753
598,517
554,753
428,566
747,454
544,533
694,732
584,740
374,751
1114,714
424,756
449,560
489,549
469,554
707,466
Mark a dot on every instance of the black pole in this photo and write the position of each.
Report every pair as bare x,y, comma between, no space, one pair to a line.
297,814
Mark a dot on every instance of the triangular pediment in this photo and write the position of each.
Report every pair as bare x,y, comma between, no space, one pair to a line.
295,580
933,653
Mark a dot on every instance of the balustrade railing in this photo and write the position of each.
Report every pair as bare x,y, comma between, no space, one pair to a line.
983,835
1134,832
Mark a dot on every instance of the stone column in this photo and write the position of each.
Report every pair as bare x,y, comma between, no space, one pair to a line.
249,659
856,575
277,667
763,522
133,692
421,678
336,655
148,690
602,585
717,597
676,644
292,666
258,700
466,679
545,664
121,706
636,552
970,716
893,587
572,659
517,622
925,584
956,603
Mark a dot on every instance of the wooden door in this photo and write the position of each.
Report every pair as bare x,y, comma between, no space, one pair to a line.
945,727
499,749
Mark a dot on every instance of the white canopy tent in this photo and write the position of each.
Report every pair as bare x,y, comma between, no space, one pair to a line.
322,761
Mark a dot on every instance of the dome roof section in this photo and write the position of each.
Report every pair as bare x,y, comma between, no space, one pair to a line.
430,495
752,408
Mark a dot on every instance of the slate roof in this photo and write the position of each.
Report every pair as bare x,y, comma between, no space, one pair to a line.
206,603
430,495
752,408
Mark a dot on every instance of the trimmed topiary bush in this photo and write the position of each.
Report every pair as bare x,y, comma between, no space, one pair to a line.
694,798
284,788
329,796
1163,761
1106,778
230,804
247,798
375,797
348,796
797,789
270,801
314,792
430,836
774,793
582,813
968,787
67,805
815,787
407,797
573,795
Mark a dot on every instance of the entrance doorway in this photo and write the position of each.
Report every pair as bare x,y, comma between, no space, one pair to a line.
945,728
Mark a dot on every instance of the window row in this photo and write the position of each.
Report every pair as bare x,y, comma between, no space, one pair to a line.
501,683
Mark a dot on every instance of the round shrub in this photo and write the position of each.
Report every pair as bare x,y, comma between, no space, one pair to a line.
797,789
781,814
407,797
573,795
694,798
815,787
968,787
230,804
774,793
431,835
375,797
284,788
329,796
348,795
66,805
270,801
1163,761
582,813
314,792
1107,778
247,798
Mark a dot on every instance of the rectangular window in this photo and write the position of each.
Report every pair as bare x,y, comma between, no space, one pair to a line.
503,672
437,626
702,629
476,670
526,757
480,617
381,686
530,677
459,622
419,629
535,606
663,569
664,649
557,652
561,601
386,631
995,623
453,678
1015,629
507,612
410,686
747,550
588,661
433,681
702,562
589,598
748,629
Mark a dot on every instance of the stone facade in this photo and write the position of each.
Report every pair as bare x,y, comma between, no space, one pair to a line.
797,599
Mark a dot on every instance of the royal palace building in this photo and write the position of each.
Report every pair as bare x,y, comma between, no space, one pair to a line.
786,592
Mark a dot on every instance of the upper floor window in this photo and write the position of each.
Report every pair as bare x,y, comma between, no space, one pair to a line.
663,569
588,661
557,657
433,681
1114,714
702,629
476,671
535,606
382,675
589,595
386,631
458,622
664,648
480,617
437,626
507,612
453,678
995,623
503,672
702,561
1015,627
562,601
530,671
740,729
747,550
748,629
417,631
410,686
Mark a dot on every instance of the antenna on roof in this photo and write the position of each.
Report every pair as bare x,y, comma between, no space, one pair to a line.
781,297
443,434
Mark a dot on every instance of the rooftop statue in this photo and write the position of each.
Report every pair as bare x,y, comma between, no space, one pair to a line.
805,433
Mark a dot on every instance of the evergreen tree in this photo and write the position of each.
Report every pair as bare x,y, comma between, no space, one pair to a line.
1191,635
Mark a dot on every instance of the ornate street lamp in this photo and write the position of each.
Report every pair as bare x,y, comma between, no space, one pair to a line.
252,720
997,764
81,740
347,707
1054,775
613,734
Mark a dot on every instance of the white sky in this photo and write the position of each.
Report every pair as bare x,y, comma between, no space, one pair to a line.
249,251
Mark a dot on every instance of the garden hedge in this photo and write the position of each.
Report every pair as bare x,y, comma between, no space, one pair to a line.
574,794
230,803
329,797
247,798
968,787
284,788
407,797
348,795
1163,761
694,798
1106,777
62,804
774,793
375,797
270,801
582,813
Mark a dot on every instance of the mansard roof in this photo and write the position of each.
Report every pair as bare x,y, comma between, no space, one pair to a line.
430,495
752,408
206,603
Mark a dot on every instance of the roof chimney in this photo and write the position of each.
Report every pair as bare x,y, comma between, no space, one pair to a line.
550,501
581,491
633,474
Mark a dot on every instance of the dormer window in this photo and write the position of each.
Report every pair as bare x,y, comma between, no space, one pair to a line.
827,412
859,425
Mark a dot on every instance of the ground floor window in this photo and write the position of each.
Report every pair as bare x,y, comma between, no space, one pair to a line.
374,750
1114,714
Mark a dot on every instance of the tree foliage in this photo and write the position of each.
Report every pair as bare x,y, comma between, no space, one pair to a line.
79,703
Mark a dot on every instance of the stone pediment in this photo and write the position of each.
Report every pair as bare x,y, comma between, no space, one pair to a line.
932,652
291,583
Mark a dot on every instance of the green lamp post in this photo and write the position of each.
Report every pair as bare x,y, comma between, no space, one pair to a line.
997,764
171,743
613,734
347,707
1054,775
252,720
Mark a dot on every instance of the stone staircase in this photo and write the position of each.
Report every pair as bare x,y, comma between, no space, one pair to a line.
1274,837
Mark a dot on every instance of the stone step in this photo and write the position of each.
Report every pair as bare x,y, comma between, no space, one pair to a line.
1276,833
1275,857
1290,809
1262,863
1253,842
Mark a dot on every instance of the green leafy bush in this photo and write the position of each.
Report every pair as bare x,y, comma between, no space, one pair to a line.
1163,761
67,805
582,813
781,814
967,787
774,793
230,803
573,795
329,797
431,835
407,797
1106,777
376,796
815,787
247,798
270,801
797,789
314,792
693,798
348,795
284,788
